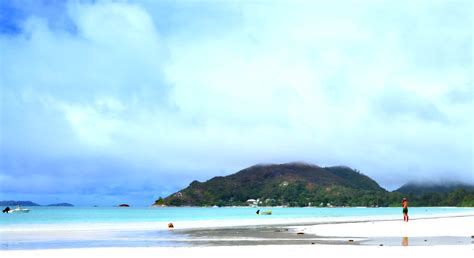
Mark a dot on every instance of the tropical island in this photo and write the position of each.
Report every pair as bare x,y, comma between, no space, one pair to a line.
307,185
30,203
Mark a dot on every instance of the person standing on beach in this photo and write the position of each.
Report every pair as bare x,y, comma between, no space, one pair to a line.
405,209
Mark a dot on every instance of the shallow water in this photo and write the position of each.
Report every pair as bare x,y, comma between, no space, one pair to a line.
72,215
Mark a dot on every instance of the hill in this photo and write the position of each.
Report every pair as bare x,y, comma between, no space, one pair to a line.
421,188
291,184
15,203
30,203
63,204
447,194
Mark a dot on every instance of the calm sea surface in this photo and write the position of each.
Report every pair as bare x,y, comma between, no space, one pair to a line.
71,215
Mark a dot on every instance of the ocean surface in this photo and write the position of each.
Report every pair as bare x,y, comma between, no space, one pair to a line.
77,215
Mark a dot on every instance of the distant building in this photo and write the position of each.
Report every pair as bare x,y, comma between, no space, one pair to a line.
252,202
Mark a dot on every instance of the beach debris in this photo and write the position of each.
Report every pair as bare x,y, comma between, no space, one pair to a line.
170,225
300,233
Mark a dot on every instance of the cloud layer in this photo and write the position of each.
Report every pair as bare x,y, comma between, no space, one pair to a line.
135,100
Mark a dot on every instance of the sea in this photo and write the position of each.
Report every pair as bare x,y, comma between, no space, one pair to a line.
77,215
78,227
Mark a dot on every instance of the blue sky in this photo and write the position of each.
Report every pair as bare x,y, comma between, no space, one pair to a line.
104,102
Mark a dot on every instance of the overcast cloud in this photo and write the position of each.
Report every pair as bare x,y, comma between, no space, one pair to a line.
104,101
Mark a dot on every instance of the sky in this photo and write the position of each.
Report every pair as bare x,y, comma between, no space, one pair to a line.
107,102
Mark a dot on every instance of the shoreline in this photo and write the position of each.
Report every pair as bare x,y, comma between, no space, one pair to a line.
428,230
217,223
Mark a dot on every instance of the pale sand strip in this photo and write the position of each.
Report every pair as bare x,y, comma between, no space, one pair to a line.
326,251
447,226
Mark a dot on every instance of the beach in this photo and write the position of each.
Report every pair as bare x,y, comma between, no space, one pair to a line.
258,251
430,236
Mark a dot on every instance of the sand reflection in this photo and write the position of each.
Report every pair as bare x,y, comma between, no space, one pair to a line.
405,241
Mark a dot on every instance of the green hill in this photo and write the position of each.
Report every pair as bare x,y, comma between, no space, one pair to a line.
15,203
292,184
446,194
63,204
421,188
30,203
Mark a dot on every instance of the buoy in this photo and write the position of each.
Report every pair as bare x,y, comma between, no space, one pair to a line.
170,225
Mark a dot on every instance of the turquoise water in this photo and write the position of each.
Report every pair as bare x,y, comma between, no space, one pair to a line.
60,215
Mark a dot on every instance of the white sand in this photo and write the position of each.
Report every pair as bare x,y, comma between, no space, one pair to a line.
447,226
255,251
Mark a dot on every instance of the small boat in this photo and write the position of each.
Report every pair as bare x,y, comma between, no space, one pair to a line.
19,209
269,212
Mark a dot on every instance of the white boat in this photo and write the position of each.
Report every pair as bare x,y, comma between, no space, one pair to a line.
19,209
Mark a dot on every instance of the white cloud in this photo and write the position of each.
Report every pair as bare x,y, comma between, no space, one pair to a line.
274,83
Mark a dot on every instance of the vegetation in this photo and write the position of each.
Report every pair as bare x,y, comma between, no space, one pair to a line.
63,204
15,203
438,195
301,185
418,189
30,203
